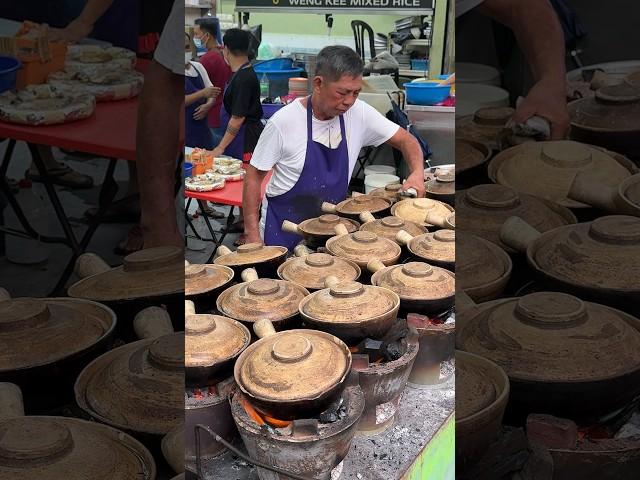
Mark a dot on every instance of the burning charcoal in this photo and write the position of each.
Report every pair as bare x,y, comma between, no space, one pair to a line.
392,351
332,413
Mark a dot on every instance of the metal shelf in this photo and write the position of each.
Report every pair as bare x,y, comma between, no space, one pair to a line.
411,73
417,43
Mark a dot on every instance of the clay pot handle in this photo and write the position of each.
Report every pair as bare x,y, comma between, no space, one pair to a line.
331,281
289,227
356,194
374,265
404,237
301,251
89,264
4,295
327,207
436,219
341,229
186,263
463,301
11,404
249,275
264,328
366,217
589,190
222,250
152,322
173,448
518,234
189,308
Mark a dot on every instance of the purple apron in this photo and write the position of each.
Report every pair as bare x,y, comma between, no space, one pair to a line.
196,132
236,148
324,178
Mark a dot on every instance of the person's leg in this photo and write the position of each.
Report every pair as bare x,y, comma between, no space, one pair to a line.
60,173
160,119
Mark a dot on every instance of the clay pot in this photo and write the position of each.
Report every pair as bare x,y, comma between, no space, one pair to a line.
471,159
552,347
316,231
203,284
292,374
442,188
262,298
63,447
264,259
485,126
354,206
623,199
388,227
484,208
350,310
310,270
437,248
391,191
419,210
360,247
547,169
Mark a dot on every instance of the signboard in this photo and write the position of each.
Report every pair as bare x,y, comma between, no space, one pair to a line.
409,7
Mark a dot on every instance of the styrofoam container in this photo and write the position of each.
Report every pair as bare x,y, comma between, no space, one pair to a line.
379,180
477,73
375,169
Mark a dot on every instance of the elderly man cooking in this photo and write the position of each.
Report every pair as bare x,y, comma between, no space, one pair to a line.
312,145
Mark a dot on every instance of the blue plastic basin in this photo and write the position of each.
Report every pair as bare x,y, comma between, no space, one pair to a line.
9,67
426,93
279,80
188,169
419,64
274,64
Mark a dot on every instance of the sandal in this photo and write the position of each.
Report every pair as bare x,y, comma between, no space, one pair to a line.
64,176
241,240
133,243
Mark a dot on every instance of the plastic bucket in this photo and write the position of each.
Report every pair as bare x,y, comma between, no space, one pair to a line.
9,67
188,169
379,180
373,169
419,64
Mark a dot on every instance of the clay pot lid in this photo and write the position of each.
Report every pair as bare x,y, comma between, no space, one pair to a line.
152,272
293,365
442,185
36,332
416,281
554,337
362,246
470,154
438,246
263,298
479,262
477,388
485,125
388,227
603,254
416,209
137,387
484,208
70,448
547,169
613,108
325,225
349,302
212,339
199,279
312,270
249,254
390,191
363,203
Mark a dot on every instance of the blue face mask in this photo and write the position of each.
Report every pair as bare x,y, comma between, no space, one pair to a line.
197,42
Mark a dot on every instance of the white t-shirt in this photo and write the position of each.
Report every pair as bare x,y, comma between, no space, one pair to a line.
463,6
196,68
170,50
283,143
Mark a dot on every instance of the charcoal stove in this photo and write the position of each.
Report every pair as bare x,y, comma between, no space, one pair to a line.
312,448
435,363
383,379
209,406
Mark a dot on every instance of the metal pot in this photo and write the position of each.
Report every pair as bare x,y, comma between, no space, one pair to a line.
388,227
310,270
292,374
421,287
623,199
418,210
360,247
47,342
547,169
595,261
203,284
211,345
354,206
552,347
265,259
484,208
350,310
316,231
63,447
438,248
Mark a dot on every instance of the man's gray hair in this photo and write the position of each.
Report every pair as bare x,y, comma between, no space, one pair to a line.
337,60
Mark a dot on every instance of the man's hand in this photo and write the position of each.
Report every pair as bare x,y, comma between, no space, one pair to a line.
218,152
548,101
202,111
74,32
210,92
415,180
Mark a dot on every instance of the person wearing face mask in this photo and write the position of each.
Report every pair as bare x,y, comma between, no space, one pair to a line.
312,145
199,95
205,33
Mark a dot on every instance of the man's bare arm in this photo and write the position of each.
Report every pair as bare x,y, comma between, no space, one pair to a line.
251,199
